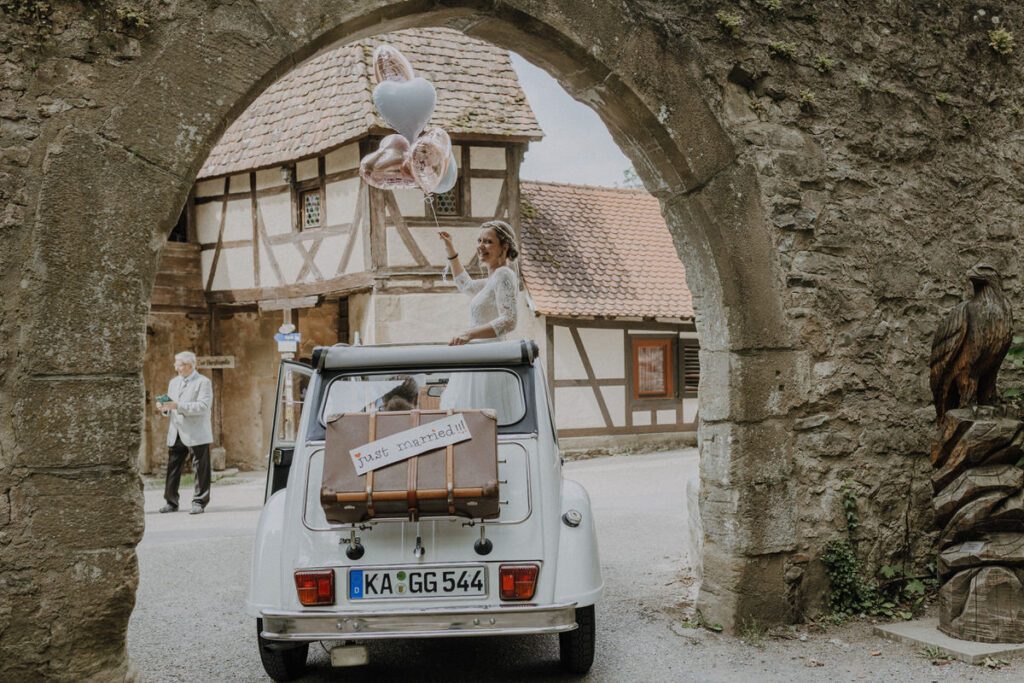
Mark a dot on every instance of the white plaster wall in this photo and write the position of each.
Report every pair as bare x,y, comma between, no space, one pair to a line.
234,269
238,224
487,158
360,317
420,317
208,222
398,255
576,408
304,170
615,400
484,195
356,262
268,276
690,406
239,183
276,210
269,177
289,260
410,203
329,256
605,350
568,364
341,198
666,417
342,159
210,188
641,418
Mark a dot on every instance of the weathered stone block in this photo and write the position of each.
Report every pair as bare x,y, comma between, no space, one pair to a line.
987,606
104,214
77,422
80,510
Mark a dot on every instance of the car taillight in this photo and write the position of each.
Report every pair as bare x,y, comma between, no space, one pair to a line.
315,587
518,581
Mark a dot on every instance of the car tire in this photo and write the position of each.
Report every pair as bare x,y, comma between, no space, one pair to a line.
576,648
281,664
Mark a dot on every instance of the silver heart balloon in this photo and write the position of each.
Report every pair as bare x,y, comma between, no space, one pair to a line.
450,176
406,105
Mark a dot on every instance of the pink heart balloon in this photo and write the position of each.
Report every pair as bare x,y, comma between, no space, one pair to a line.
428,158
388,167
389,64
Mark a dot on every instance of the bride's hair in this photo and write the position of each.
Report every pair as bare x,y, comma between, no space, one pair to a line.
506,237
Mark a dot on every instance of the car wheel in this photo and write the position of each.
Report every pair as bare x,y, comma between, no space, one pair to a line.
281,661
576,648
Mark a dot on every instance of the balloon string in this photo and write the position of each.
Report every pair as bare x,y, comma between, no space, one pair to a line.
448,266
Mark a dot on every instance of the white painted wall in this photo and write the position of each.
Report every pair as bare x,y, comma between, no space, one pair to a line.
484,194
342,159
238,224
341,197
305,170
210,188
208,223
276,210
239,183
492,158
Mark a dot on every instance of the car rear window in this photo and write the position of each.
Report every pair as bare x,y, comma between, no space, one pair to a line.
497,390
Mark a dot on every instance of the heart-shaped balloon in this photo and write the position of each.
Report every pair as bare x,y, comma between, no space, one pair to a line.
389,167
405,105
451,175
389,64
428,158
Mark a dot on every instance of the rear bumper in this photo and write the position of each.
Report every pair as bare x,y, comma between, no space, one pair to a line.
498,621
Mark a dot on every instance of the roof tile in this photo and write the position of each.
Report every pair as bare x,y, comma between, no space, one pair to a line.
327,100
596,251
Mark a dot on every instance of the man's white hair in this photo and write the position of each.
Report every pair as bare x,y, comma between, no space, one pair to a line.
186,357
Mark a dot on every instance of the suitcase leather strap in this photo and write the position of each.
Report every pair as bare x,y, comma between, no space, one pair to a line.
449,473
369,475
412,476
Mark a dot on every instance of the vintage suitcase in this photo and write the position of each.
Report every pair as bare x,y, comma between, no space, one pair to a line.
461,479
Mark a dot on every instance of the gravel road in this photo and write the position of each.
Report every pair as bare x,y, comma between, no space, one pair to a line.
188,623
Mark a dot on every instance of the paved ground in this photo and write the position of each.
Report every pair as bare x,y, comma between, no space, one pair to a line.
188,623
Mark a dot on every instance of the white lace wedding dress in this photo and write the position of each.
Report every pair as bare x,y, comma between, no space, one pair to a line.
494,303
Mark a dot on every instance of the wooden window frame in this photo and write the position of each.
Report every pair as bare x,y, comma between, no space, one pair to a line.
299,188
670,344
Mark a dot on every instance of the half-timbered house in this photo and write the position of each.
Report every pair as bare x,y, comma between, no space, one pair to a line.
613,314
279,227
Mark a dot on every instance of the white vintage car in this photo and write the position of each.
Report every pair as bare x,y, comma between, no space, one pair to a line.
532,570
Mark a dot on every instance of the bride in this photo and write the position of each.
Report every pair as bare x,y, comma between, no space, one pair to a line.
492,316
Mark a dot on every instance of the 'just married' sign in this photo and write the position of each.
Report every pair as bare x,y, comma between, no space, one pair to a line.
403,445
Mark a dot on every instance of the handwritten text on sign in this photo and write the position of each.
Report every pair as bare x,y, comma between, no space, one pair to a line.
404,445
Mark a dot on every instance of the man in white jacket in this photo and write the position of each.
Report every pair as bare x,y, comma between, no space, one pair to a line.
190,431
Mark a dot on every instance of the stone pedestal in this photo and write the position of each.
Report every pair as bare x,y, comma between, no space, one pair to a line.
218,458
979,501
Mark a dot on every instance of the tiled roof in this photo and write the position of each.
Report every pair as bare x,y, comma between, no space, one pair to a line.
597,251
327,100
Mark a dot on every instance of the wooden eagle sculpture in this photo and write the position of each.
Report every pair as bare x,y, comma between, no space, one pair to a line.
970,345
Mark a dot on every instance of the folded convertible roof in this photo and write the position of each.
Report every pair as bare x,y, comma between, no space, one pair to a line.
345,357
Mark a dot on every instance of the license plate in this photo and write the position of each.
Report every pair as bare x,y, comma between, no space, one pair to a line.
437,582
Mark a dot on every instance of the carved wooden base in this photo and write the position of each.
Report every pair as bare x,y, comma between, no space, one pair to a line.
979,501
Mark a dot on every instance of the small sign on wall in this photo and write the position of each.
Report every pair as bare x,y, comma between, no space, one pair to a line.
215,362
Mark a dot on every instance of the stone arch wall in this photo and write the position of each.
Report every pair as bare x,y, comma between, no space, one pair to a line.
829,174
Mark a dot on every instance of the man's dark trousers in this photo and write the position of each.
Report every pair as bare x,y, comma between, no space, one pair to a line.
176,455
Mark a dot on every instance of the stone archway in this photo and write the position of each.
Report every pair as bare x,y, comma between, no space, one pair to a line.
104,182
